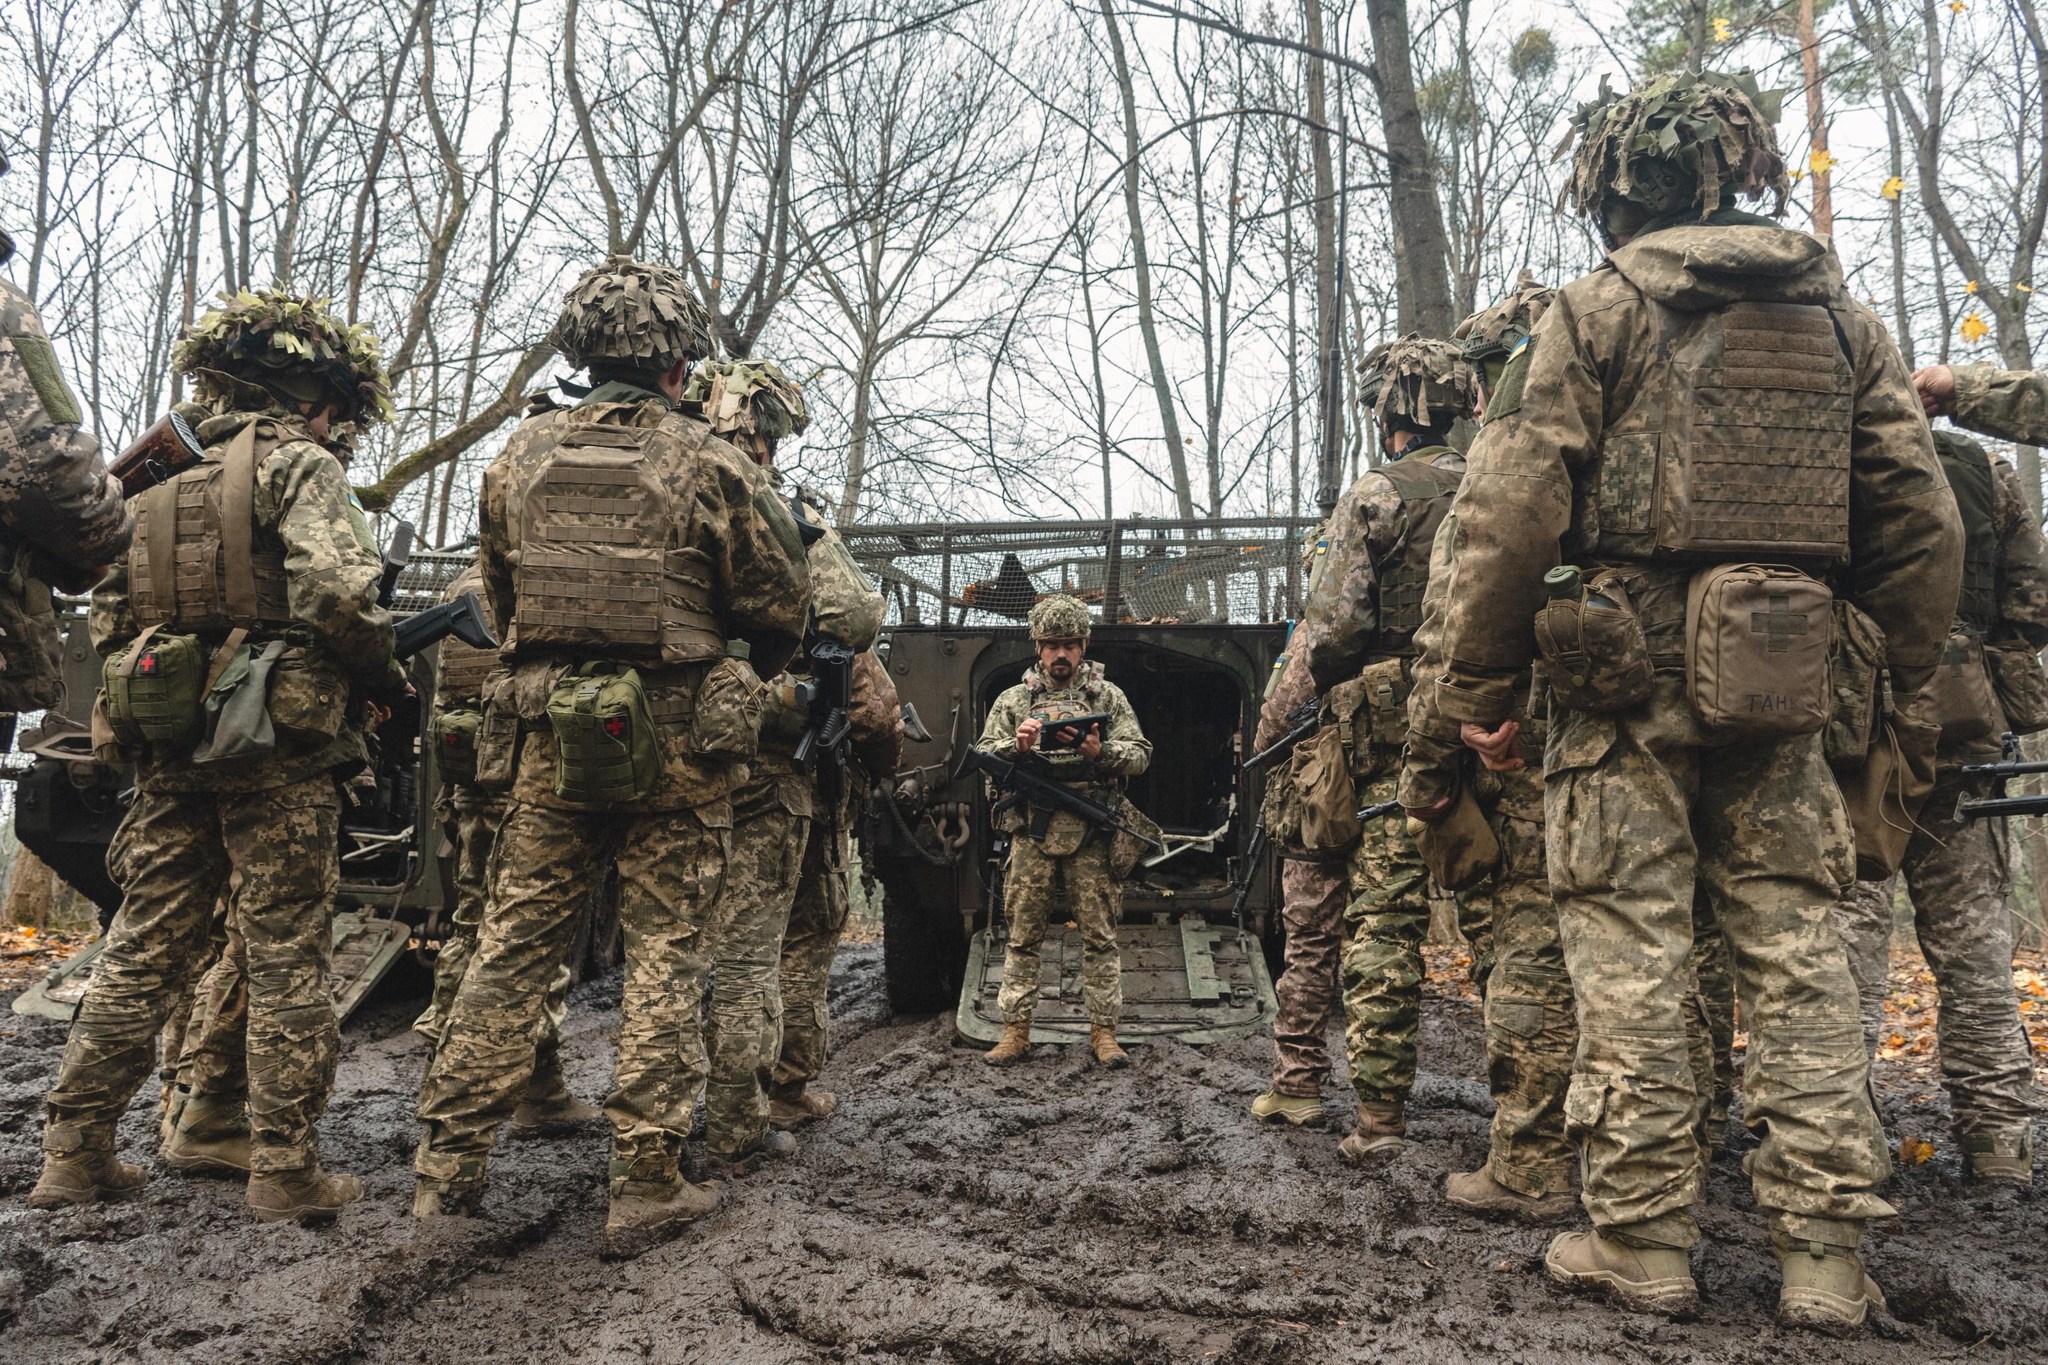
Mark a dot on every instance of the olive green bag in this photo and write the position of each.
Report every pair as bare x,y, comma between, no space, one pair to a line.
454,735
154,690
608,753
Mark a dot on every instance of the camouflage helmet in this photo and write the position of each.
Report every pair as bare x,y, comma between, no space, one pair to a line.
1418,382
755,397
1679,141
635,312
1490,336
261,344
1060,617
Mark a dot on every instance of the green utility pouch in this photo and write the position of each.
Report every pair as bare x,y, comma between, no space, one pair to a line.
239,731
153,691
608,753
726,725
454,736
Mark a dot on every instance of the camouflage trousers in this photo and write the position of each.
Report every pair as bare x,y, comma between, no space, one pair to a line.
745,1032
1639,806
671,868
1713,1013
1095,897
469,822
188,1008
175,856
1313,894
1382,967
1956,875
816,920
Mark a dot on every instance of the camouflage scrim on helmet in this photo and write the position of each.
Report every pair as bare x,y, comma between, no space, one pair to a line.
1489,336
1679,141
286,345
635,312
1418,382
1060,617
756,397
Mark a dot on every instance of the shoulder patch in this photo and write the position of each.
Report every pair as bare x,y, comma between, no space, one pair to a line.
1506,398
40,360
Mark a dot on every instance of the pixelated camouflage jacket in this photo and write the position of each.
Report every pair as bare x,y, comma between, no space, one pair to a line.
63,514
1585,362
1368,528
2011,405
303,503
759,579
1125,750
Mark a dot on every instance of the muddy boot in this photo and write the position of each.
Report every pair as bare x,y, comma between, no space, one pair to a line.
1298,1110
447,1198
645,1213
1478,1192
1102,1042
309,1195
167,1105
774,1146
2000,1159
1380,1133
1644,1279
71,1178
1826,1288
790,1112
209,1137
1016,1042
549,1109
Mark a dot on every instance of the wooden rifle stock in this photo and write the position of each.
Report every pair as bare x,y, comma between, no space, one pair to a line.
167,449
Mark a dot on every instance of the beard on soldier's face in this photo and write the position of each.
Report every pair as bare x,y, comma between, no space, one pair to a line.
1061,668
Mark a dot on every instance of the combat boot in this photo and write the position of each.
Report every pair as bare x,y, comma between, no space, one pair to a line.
71,1178
208,1137
1298,1110
1380,1132
309,1195
550,1110
2000,1158
447,1198
1102,1042
774,1145
650,1206
1478,1192
790,1112
1642,1278
1016,1042
1825,1287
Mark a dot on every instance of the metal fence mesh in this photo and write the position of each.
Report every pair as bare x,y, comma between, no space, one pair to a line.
1239,570
426,576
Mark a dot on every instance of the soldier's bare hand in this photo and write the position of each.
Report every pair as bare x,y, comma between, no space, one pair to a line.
1496,748
1027,734
1936,385
374,715
1091,747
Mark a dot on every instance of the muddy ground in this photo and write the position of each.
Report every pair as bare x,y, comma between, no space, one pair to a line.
1044,1215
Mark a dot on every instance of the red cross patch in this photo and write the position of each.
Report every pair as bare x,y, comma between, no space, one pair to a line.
146,664
617,727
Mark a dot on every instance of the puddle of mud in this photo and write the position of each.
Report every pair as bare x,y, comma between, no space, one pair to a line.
1053,1214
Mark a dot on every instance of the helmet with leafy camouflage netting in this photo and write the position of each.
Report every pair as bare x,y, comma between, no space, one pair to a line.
283,345
1060,617
1490,336
1678,142
751,397
635,313
1417,382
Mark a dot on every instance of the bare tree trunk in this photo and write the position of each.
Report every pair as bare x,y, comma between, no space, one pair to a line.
1421,248
1330,380
1816,123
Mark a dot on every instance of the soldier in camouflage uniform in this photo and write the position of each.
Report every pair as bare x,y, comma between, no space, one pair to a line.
1610,400
296,585
469,818
1955,869
783,811
1072,854
634,564
1360,621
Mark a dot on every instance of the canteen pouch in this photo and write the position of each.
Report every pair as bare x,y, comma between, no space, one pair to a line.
1594,648
153,691
455,736
239,731
1385,705
1757,642
1125,846
1855,672
1460,849
308,698
726,726
607,751
1958,698
2021,684
1883,797
1320,771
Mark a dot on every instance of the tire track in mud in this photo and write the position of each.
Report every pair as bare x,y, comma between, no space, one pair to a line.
1049,1214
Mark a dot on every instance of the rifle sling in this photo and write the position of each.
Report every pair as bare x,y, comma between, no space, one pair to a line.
238,525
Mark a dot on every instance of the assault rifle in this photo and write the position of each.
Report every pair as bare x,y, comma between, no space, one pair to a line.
1998,803
1028,782
167,449
463,618
828,693
1306,720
